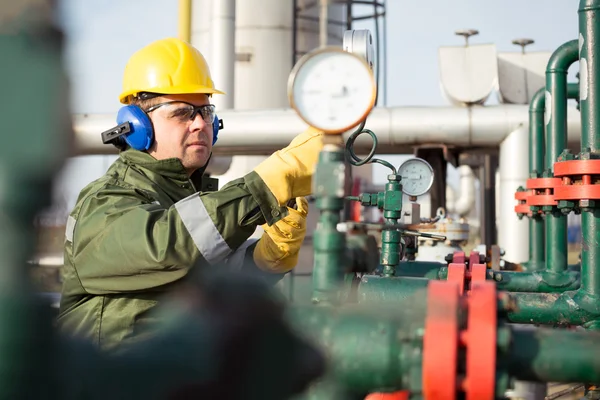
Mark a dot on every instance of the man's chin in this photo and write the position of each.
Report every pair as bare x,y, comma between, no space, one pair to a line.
197,162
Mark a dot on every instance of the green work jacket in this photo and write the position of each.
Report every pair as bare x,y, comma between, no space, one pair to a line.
138,231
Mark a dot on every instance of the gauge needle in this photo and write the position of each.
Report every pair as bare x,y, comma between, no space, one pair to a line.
343,93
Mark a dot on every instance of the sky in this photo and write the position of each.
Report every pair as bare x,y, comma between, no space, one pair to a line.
102,34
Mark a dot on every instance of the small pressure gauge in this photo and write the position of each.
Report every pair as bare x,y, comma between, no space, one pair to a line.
417,176
332,90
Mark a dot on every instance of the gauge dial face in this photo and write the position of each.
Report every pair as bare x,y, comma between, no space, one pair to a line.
332,90
417,176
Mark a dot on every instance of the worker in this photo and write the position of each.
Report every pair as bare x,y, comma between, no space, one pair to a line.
137,232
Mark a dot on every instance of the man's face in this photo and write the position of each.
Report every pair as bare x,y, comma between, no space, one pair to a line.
178,136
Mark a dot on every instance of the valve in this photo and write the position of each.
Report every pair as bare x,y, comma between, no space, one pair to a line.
413,178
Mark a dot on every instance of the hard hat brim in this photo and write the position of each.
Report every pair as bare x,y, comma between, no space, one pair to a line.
125,97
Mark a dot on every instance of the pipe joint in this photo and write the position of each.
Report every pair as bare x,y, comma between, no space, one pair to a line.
568,280
588,5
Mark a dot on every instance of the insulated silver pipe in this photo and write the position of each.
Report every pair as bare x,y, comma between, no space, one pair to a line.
261,132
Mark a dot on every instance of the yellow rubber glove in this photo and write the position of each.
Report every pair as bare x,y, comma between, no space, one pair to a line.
288,172
278,248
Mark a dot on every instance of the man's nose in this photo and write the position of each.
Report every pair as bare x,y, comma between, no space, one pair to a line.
198,122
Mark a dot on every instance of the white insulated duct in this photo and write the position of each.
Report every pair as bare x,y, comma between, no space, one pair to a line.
223,52
464,204
261,132
513,234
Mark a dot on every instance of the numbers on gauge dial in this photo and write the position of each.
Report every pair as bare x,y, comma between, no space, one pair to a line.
417,176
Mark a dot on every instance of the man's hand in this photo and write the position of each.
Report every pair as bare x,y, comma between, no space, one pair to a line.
278,248
288,172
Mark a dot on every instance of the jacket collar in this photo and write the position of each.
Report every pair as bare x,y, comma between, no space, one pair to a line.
170,168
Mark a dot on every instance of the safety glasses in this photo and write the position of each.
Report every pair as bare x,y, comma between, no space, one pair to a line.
185,112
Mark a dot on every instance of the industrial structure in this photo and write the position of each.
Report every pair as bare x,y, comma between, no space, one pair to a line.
386,302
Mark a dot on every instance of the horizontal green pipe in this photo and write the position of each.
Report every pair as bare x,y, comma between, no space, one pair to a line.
397,290
539,282
556,355
422,269
567,308
367,349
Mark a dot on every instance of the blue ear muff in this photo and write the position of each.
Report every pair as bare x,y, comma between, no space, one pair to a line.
141,133
217,125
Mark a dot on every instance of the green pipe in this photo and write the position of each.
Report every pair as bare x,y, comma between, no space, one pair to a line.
567,308
377,289
557,355
556,86
536,168
589,29
366,349
540,282
392,212
422,269
537,281
329,244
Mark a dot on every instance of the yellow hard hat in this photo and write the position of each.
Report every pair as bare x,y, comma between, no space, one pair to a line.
167,66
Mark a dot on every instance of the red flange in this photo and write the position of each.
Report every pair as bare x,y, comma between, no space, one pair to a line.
457,274
543,183
440,341
474,258
542,191
542,199
459,257
463,274
577,192
522,209
521,197
577,167
480,341
478,273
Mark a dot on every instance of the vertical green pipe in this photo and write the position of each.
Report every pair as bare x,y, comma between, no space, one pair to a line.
390,239
537,143
536,167
556,128
328,243
589,29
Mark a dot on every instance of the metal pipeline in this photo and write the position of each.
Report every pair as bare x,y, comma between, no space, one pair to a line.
536,167
567,308
398,129
185,20
544,355
537,144
556,124
329,244
589,29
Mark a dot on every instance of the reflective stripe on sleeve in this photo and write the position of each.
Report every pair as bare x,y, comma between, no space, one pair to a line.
203,231
70,228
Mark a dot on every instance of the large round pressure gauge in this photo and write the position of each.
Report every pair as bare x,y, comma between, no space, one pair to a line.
331,89
417,176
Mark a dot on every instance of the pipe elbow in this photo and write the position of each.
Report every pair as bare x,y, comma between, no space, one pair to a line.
538,101
464,204
563,57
